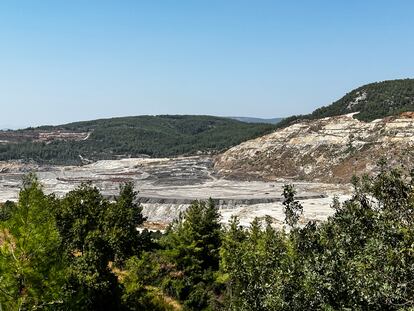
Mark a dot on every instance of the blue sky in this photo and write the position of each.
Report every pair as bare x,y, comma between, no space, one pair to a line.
63,61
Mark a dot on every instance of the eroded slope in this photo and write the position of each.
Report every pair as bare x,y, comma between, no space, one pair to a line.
330,149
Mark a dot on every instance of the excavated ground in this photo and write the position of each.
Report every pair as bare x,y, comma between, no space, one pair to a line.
167,187
328,150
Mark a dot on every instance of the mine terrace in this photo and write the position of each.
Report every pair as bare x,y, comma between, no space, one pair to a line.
36,135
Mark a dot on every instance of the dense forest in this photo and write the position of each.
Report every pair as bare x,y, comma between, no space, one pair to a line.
372,101
83,252
155,136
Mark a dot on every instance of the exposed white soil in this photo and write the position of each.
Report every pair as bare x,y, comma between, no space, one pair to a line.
167,186
329,149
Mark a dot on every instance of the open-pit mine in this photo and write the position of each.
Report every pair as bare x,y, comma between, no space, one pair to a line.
168,185
318,156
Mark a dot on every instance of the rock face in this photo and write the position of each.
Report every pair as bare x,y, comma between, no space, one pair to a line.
329,150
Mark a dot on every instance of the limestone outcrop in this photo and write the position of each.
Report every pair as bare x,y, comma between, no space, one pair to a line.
329,150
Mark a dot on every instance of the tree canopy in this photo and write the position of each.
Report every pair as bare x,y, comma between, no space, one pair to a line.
83,252
371,101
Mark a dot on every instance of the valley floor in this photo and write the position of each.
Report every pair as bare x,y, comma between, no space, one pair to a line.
167,186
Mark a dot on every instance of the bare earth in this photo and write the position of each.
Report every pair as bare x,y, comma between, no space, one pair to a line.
167,186
326,150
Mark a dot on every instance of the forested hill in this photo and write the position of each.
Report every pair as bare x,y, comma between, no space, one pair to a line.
372,101
155,136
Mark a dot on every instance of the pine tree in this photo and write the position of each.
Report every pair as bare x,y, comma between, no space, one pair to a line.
31,265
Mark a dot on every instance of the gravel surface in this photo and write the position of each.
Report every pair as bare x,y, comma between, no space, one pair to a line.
167,186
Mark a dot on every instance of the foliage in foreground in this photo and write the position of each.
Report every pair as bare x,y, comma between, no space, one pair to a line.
361,258
31,265
82,253
57,253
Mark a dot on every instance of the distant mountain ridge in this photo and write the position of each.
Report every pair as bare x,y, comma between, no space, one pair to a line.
372,101
257,120
155,136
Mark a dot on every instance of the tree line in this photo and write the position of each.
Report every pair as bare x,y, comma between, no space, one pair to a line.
154,136
376,101
83,252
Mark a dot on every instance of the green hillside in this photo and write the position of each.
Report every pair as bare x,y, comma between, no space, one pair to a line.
155,136
372,101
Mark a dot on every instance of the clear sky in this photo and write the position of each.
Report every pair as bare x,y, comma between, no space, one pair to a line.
63,61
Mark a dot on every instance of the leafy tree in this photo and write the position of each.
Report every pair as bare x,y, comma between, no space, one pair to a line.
359,259
31,266
138,294
125,215
293,209
6,210
57,254
189,259
81,223
253,261
96,232
195,237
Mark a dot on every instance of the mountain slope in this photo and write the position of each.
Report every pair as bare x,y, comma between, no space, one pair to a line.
157,136
372,101
330,149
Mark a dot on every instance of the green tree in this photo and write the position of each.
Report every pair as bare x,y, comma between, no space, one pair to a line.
253,261
293,209
81,222
361,258
124,216
32,269
138,294
190,256
95,233
6,210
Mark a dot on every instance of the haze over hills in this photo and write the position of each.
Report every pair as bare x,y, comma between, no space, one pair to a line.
257,120
155,136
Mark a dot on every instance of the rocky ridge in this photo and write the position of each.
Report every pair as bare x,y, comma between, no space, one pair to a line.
330,149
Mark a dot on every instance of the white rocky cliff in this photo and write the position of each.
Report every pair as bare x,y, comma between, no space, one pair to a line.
329,149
